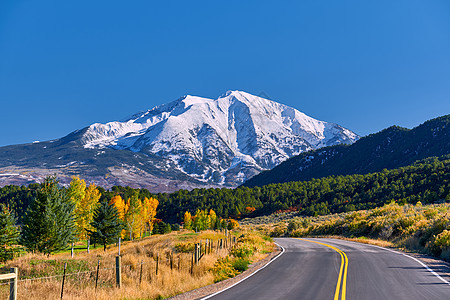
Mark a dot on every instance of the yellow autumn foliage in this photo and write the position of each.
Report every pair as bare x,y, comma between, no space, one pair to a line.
86,201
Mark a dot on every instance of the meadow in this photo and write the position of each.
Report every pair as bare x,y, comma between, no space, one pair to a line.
154,267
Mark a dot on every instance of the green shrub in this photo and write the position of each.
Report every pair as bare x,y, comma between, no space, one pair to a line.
240,264
184,247
242,251
223,269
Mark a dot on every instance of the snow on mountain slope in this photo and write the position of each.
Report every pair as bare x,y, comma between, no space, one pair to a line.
223,141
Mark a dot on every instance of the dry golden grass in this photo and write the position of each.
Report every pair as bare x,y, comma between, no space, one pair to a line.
136,256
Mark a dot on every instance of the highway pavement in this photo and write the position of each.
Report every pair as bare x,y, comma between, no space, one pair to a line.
338,269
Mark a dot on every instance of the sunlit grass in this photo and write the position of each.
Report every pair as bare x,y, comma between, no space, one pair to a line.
136,256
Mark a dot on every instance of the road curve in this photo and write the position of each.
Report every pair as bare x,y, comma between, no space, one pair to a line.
314,269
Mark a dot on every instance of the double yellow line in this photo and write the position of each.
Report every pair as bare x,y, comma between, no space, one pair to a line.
342,270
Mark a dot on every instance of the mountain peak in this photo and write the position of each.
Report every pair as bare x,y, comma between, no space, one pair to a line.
222,141
236,94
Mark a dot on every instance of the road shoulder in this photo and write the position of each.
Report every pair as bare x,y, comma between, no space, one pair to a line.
216,287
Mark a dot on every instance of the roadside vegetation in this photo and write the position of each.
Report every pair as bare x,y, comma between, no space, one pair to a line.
420,228
40,276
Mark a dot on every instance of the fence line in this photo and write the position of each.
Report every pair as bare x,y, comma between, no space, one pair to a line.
136,271
167,260
85,272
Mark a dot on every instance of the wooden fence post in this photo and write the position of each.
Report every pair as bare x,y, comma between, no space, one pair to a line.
157,264
196,251
96,277
88,244
118,271
140,276
199,253
119,245
64,278
192,264
13,284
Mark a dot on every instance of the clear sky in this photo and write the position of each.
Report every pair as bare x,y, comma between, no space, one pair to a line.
365,65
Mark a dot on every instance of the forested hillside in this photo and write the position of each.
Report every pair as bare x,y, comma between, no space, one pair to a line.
427,181
391,148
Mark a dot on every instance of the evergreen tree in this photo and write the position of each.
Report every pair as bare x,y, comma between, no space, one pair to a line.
106,225
49,221
9,234
162,228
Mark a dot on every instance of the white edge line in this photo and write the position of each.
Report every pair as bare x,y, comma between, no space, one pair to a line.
236,283
424,265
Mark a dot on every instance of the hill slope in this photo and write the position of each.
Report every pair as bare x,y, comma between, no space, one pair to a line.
391,148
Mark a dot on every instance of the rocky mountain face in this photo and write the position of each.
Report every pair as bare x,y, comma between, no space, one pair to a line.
191,142
391,148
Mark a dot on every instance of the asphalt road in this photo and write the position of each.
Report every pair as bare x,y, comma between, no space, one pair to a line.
308,270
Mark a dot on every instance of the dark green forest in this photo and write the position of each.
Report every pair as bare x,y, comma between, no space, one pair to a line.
391,148
427,181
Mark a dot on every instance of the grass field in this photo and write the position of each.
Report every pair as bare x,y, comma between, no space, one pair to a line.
40,277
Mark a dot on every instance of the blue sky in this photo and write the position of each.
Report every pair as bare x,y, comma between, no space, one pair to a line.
365,65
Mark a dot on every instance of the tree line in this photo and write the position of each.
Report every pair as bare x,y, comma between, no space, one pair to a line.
427,181
57,216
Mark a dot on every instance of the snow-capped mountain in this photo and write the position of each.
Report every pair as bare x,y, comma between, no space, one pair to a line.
223,141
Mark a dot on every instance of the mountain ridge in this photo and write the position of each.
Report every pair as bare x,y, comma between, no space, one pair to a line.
390,148
208,142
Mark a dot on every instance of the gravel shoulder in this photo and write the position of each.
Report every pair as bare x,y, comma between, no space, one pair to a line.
213,288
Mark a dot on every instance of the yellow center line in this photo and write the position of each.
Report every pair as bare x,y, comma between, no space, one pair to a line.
344,266
338,285
344,282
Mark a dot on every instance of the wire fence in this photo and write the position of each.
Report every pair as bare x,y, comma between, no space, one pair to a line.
105,274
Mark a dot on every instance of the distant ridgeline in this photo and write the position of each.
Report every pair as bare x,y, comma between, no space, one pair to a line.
427,181
391,148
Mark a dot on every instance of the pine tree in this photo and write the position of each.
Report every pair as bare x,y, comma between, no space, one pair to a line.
106,225
9,234
49,221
